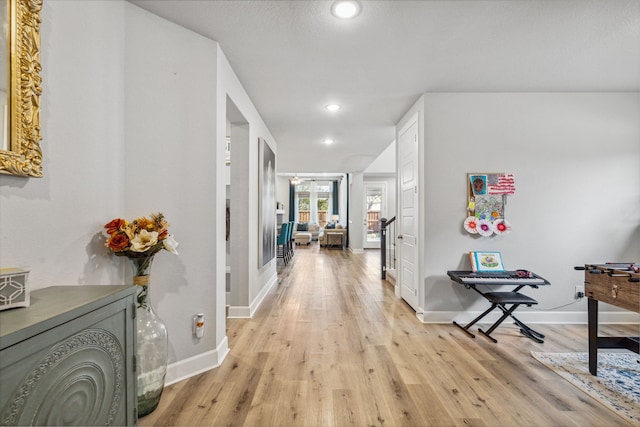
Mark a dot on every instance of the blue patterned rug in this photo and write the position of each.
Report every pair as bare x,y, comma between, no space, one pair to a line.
617,385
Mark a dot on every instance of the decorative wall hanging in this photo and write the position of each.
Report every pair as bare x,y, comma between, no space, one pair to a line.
487,196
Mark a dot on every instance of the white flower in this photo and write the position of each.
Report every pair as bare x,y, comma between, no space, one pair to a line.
144,240
170,244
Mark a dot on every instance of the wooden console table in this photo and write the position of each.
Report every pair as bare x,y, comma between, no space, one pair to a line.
615,284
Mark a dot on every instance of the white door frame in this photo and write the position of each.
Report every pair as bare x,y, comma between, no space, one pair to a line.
408,244
383,211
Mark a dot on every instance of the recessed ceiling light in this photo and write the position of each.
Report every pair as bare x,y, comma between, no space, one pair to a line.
328,141
332,107
345,9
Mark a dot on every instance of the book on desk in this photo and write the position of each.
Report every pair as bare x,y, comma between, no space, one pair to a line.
486,261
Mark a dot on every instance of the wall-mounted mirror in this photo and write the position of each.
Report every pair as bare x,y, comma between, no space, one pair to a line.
20,88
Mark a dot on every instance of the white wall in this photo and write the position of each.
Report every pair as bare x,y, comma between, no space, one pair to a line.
356,212
170,166
575,159
385,163
54,224
132,124
240,235
177,116
260,280
383,169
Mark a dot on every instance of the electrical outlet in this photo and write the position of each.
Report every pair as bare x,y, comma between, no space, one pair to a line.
579,294
198,325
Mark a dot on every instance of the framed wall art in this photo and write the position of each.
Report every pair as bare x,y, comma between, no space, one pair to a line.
267,203
486,199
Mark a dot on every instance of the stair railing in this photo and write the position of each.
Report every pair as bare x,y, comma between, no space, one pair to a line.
387,245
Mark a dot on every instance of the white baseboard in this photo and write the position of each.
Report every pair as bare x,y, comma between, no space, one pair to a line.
531,316
247,312
257,302
391,275
356,251
239,312
198,364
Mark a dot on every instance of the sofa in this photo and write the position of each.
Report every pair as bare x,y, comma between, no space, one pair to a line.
304,227
322,238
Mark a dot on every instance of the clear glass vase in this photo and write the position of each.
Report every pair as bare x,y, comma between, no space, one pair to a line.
152,341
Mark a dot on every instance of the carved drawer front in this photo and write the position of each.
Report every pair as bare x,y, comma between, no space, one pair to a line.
76,373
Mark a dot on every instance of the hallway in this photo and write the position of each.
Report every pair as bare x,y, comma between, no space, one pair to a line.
333,346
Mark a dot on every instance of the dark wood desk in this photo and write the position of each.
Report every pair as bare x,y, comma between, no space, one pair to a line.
615,284
500,300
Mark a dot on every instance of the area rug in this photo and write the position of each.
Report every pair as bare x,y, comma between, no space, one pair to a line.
617,385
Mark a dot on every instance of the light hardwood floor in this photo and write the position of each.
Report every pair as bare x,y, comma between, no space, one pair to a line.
333,346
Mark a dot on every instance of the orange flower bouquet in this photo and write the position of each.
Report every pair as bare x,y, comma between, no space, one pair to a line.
141,237
139,240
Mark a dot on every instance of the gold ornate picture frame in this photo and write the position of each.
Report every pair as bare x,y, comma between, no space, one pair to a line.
22,155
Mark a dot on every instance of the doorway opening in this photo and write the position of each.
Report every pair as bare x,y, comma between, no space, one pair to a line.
237,203
375,208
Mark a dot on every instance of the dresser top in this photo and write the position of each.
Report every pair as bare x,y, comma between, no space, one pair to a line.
53,306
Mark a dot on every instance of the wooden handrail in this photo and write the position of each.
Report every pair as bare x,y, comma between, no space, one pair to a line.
385,222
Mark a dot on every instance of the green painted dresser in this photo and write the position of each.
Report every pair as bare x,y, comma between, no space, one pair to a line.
69,358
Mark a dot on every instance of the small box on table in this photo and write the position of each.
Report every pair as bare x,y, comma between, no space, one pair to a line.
14,291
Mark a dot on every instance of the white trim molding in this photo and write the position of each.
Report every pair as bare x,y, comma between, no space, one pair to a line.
198,364
247,312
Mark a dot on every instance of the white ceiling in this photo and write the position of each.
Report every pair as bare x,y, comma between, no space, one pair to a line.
294,57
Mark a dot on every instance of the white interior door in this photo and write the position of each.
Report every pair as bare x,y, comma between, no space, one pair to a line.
408,226
375,201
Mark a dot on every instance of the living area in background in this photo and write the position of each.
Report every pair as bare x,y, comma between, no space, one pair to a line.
306,233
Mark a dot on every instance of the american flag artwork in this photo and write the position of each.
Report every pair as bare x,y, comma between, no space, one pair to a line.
504,184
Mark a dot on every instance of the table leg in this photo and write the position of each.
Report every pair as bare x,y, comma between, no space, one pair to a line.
473,322
505,313
524,329
592,310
